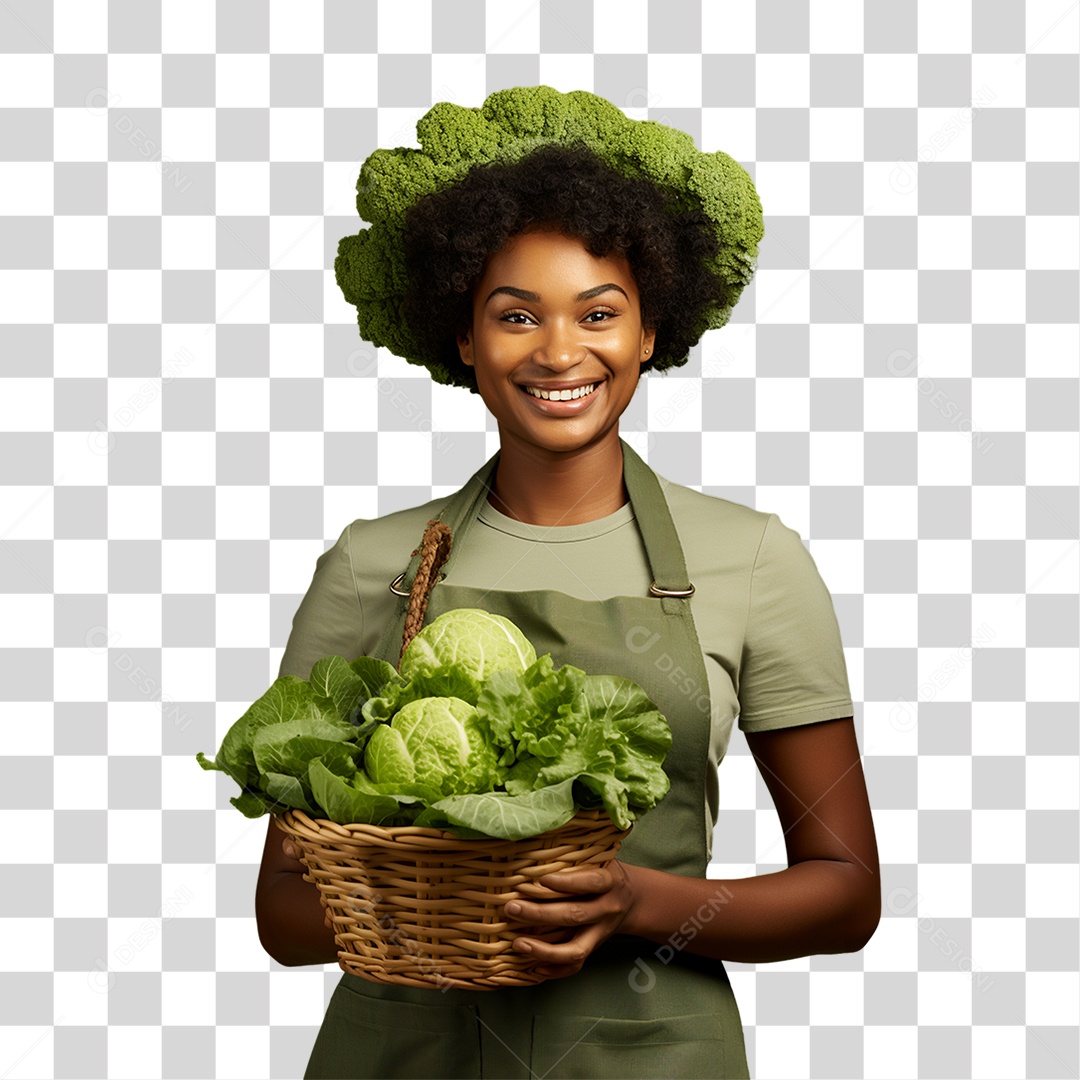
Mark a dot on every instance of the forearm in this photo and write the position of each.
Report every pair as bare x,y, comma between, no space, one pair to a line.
291,922
816,906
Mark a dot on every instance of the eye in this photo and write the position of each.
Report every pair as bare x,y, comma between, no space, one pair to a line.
507,316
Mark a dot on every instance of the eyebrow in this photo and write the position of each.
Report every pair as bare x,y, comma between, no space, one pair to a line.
525,294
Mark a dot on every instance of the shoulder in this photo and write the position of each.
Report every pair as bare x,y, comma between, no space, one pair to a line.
709,523
380,548
697,505
399,523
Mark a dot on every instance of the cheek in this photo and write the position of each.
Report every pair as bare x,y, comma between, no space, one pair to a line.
491,360
488,384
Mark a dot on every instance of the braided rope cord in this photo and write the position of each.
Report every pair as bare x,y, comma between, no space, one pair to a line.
435,550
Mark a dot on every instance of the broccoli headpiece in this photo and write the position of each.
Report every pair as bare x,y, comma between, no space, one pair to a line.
370,267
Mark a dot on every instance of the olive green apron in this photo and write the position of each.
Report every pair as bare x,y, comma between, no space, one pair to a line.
637,1009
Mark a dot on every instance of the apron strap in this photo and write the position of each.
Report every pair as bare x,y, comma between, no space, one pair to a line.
658,531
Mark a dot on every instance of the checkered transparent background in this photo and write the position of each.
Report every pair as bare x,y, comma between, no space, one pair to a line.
189,419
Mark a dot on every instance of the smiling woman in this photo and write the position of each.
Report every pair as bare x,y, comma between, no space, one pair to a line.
552,273
524,357
564,251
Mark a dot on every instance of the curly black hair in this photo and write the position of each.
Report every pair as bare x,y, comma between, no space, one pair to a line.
449,235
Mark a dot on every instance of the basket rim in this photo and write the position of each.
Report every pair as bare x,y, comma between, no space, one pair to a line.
295,817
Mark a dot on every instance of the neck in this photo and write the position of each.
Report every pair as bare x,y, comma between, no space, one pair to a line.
544,487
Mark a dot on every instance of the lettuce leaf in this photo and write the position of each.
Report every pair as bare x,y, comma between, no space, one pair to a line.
562,724
287,791
541,742
345,803
496,813
289,699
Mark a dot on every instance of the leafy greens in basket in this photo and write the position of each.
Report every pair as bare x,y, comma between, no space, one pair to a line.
475,734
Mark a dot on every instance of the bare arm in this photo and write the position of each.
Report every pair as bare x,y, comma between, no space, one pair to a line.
828,900
292,922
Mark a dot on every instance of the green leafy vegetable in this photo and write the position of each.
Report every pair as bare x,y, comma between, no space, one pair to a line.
561,723
349,685
288,699
514,754
495,813
344,802
370,267
437,739
469,643
451,657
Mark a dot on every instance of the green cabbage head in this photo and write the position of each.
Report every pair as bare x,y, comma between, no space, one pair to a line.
454,653
435,741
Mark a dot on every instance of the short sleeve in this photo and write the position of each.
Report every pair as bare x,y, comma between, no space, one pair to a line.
792,669
330,618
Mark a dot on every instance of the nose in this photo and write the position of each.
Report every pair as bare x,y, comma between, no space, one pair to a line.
560,347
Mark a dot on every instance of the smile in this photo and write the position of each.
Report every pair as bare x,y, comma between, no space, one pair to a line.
561,395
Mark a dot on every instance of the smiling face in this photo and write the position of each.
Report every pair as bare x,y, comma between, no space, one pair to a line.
551,322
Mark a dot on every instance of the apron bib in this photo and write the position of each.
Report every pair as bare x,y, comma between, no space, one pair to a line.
637,1009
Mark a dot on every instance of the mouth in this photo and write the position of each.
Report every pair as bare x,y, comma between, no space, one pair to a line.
564,393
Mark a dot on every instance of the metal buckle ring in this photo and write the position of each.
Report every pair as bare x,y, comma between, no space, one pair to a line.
655,590
400,578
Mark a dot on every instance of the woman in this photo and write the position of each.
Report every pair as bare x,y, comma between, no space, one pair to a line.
549,284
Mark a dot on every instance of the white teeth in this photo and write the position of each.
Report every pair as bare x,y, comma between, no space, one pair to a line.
562,395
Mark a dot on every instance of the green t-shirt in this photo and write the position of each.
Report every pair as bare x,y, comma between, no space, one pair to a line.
765,619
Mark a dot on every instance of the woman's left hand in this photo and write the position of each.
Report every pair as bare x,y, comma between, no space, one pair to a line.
598,902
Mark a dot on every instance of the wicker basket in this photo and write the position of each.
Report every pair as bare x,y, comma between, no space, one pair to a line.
422,907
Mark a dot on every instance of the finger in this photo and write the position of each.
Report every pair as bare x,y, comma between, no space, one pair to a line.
585,880
558,912
557,971
572,953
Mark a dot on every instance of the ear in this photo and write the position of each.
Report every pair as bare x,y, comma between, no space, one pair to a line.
648,345
464,344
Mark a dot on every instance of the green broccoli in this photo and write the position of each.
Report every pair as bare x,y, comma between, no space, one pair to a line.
369,267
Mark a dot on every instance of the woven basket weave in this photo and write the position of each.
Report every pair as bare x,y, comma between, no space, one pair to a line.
422,907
